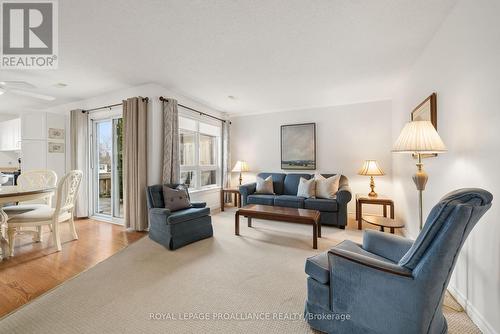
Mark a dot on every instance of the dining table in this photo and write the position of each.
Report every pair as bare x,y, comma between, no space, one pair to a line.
10,195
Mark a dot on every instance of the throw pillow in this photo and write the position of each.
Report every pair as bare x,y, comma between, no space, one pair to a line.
307,188
326,187
175,199
264,186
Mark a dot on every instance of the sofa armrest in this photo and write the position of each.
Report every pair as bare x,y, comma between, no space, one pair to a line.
344,194
390,246
342,250
198,204
245,190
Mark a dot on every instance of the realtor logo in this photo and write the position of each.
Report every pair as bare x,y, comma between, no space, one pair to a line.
29,34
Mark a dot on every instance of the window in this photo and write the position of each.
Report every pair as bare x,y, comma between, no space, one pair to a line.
199,150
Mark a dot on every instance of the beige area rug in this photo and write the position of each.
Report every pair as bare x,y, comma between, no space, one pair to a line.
254,283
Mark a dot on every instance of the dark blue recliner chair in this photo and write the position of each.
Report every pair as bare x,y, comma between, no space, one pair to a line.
178,228
391,284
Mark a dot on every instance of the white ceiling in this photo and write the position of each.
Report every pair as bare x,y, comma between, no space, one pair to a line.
270,54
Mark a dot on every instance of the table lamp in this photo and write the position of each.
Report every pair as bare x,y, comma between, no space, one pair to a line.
419,137
370,168
240,166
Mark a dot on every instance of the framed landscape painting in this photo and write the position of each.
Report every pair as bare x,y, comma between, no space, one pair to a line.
298,146
426,111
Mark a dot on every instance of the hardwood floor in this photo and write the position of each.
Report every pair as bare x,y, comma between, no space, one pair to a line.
38,267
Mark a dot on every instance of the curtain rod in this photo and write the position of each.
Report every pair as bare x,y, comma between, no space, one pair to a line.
197,111
111,106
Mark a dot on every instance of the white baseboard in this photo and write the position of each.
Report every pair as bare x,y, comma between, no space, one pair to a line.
472,312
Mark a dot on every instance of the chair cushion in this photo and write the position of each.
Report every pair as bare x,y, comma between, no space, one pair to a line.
187,214
40,214
317,267
261,199
289,201
278,179
326,205
21,208
175,199
291,183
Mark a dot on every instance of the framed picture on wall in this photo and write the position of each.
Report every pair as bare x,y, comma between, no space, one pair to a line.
426,111
56,147
56,133
298,146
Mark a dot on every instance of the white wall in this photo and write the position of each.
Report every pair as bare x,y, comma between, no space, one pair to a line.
345,137
461,64
155,126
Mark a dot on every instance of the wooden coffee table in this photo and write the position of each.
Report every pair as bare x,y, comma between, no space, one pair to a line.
383,222
277,213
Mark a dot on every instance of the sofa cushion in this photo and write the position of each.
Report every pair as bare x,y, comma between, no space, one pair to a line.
289,201
187,214
291,183
317,267
278,180
264,186
307,188
261,199
327,205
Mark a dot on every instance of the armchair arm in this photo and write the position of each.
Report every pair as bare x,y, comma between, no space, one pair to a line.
245,190
390,246
344,194
344,250
159,212
198,204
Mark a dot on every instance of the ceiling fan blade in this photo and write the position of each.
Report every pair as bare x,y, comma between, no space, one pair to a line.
31,94
17,84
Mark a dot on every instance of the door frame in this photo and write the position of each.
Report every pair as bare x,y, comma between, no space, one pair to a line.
95,118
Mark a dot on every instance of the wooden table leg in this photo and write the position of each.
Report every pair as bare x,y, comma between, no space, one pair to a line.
235,200
239,200
222,200
392,230
237,223
319,229
249,219
360,214
385,210
315,236
392,210
382,229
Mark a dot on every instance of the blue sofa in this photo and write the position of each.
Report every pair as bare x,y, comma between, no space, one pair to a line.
333,211
174,229
390,284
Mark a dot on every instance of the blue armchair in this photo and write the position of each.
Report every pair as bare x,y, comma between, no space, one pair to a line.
174,229
391,284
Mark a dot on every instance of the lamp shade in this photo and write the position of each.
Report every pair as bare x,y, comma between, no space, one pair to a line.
240,166
419,137
371,168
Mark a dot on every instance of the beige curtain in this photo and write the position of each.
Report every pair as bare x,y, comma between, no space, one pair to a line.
226,158
79,123
171,164
135,169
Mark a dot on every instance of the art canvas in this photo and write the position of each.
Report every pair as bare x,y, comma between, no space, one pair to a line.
298,146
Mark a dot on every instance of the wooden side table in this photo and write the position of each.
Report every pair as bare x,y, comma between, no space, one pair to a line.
379,200
236,197
383,222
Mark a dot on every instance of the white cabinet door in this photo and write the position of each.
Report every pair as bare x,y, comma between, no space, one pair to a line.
10,135
33,155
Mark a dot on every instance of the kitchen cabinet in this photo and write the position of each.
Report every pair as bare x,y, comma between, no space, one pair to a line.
10,135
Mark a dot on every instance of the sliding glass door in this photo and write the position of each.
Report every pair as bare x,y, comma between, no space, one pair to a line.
107,166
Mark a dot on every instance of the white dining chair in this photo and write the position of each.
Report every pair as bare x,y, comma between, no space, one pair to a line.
67,190
34,179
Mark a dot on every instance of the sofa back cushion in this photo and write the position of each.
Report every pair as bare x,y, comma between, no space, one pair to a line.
278,181
291,183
